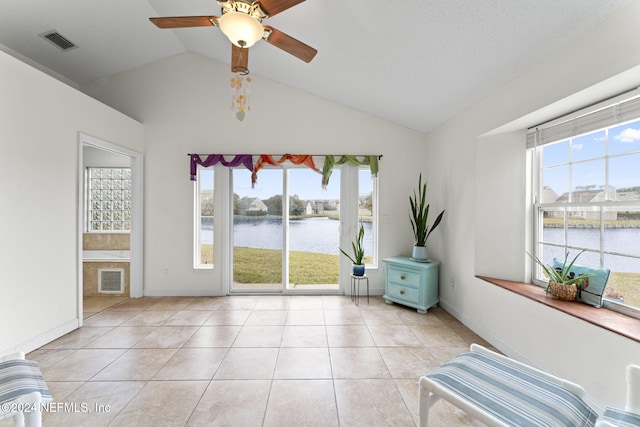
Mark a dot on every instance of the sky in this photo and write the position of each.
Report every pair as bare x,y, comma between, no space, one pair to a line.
304,182
589,150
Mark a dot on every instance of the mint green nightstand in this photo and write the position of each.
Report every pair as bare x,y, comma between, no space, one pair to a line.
411,283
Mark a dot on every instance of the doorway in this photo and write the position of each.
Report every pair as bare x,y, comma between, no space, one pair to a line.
110,225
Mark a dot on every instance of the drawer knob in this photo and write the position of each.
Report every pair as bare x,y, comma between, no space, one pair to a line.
402,277
402,292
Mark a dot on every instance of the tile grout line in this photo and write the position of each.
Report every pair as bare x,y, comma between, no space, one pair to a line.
333,377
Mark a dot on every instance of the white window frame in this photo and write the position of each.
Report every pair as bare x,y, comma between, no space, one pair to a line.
224,203
595,206
374,216
197,221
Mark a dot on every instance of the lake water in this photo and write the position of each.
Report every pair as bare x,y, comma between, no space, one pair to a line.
320,235
317,234
620,240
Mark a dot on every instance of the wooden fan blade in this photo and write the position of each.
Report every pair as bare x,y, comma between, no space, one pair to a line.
273,7
290,45
239,59
184,21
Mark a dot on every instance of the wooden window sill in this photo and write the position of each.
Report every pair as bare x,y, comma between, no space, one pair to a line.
613,321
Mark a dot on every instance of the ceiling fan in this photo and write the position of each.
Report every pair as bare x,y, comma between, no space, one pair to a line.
241,22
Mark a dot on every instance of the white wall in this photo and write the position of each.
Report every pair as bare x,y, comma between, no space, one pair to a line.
184,103
40,118
480,177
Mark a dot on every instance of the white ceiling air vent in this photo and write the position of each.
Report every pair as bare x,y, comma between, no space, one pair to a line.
111,280
59,40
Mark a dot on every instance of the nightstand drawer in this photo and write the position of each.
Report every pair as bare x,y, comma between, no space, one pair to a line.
404,293
404,277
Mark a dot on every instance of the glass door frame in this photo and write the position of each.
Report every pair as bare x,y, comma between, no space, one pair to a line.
344,269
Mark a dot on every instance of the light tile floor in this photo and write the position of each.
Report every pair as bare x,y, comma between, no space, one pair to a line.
95,304
250,361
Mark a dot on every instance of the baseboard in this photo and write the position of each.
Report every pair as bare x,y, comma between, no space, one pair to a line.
492,339
372,292
181,293
208,293
42,339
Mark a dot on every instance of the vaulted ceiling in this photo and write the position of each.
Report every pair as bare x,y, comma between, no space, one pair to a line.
416,63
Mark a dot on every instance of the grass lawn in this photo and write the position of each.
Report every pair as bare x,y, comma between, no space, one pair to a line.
251,265
625,285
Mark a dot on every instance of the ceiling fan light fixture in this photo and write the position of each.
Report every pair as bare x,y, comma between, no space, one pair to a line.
242,30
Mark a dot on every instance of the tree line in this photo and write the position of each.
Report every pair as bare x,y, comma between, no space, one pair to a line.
297,206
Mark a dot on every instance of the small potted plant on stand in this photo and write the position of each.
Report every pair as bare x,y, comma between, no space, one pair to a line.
419,222
563,284
358,253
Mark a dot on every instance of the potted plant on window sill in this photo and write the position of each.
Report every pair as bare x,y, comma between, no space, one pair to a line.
563,284
420,222
358,253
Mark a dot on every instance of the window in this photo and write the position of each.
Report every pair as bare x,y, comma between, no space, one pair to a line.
287,219
587,193
109,199
368,213
203,251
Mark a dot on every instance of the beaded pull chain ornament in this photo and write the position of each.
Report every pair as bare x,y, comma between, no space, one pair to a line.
240,95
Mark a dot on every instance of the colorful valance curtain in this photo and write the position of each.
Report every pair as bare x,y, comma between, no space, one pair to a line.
331,161
296,159
213,159
246,160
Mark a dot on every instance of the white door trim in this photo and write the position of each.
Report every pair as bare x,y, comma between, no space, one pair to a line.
137,174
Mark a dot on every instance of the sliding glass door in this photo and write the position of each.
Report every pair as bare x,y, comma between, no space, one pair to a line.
313,231
257,232
285,231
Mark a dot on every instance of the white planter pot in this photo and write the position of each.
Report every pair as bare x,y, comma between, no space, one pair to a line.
358,269
420,253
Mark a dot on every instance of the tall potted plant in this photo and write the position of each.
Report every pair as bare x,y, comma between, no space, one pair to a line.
420,221
358,253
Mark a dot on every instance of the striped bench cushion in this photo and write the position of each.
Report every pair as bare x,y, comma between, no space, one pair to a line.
516,397
20,377
620,418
